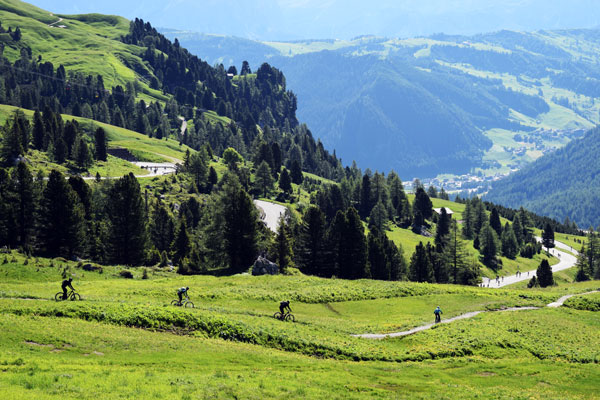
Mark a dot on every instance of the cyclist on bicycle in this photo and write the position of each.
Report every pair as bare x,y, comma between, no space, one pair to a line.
66,284
438,314
181,291
283,306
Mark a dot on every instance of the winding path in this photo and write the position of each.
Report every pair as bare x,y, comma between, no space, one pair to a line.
566,261
270,213
555,304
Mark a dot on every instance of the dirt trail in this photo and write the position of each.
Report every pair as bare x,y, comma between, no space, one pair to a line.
555,304
566,261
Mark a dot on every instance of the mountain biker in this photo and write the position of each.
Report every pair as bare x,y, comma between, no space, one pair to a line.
282,306
181,291
66,284
438,314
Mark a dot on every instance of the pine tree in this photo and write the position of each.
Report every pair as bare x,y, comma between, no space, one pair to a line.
236,222
378,263
442,230
60,222
548,237
11,145
488,247
181,244
517,228
22,184
544,274
420,269
583,272
467,229
38,131
296,172
285,182
378,217
127,216
100,142
495,221
510,246
282,246
264,179
311,253
356,257
366,202
455,254
423,203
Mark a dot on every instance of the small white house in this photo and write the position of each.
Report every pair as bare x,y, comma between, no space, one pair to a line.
439,211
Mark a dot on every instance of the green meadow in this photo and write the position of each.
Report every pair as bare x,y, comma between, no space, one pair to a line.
124,340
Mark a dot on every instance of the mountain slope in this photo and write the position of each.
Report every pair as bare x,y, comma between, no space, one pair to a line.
493,102
563,184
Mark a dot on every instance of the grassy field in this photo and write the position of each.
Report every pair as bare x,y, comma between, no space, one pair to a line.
230,346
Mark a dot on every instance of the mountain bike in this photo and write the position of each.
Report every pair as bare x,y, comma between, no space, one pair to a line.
184,303
72,295
286,317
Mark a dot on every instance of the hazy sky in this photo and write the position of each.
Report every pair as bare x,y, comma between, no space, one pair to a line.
344,19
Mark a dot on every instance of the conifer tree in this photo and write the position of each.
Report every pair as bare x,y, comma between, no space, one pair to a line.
127,216
311,252
282,246
544,274
510,246
22,184
548,236
488,246
495,222
423,203
234,226
583,272
442,230
60,221
378,217
378,263
100,142
264,179
455,254
285,182
366,202
181,244
420,269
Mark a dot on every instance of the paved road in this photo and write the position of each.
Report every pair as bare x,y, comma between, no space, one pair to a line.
566,261
183,125
270,213
555,304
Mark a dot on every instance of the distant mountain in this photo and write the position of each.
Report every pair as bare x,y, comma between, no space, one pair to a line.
563,184
442,104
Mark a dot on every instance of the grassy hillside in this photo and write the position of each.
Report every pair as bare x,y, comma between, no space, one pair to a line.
142,146
220,348
98,34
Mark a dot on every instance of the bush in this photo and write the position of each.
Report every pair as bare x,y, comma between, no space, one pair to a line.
126,274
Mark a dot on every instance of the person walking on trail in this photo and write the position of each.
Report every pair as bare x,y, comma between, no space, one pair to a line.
283,306
66,284
181,291
438,314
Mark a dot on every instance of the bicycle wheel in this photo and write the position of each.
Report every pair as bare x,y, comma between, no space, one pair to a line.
277,315
175,303
290,318
75,297
189,304
58,296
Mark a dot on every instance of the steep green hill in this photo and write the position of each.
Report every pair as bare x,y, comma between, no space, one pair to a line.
564,184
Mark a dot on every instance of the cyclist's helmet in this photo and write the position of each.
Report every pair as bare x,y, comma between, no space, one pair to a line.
70,279
187,288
